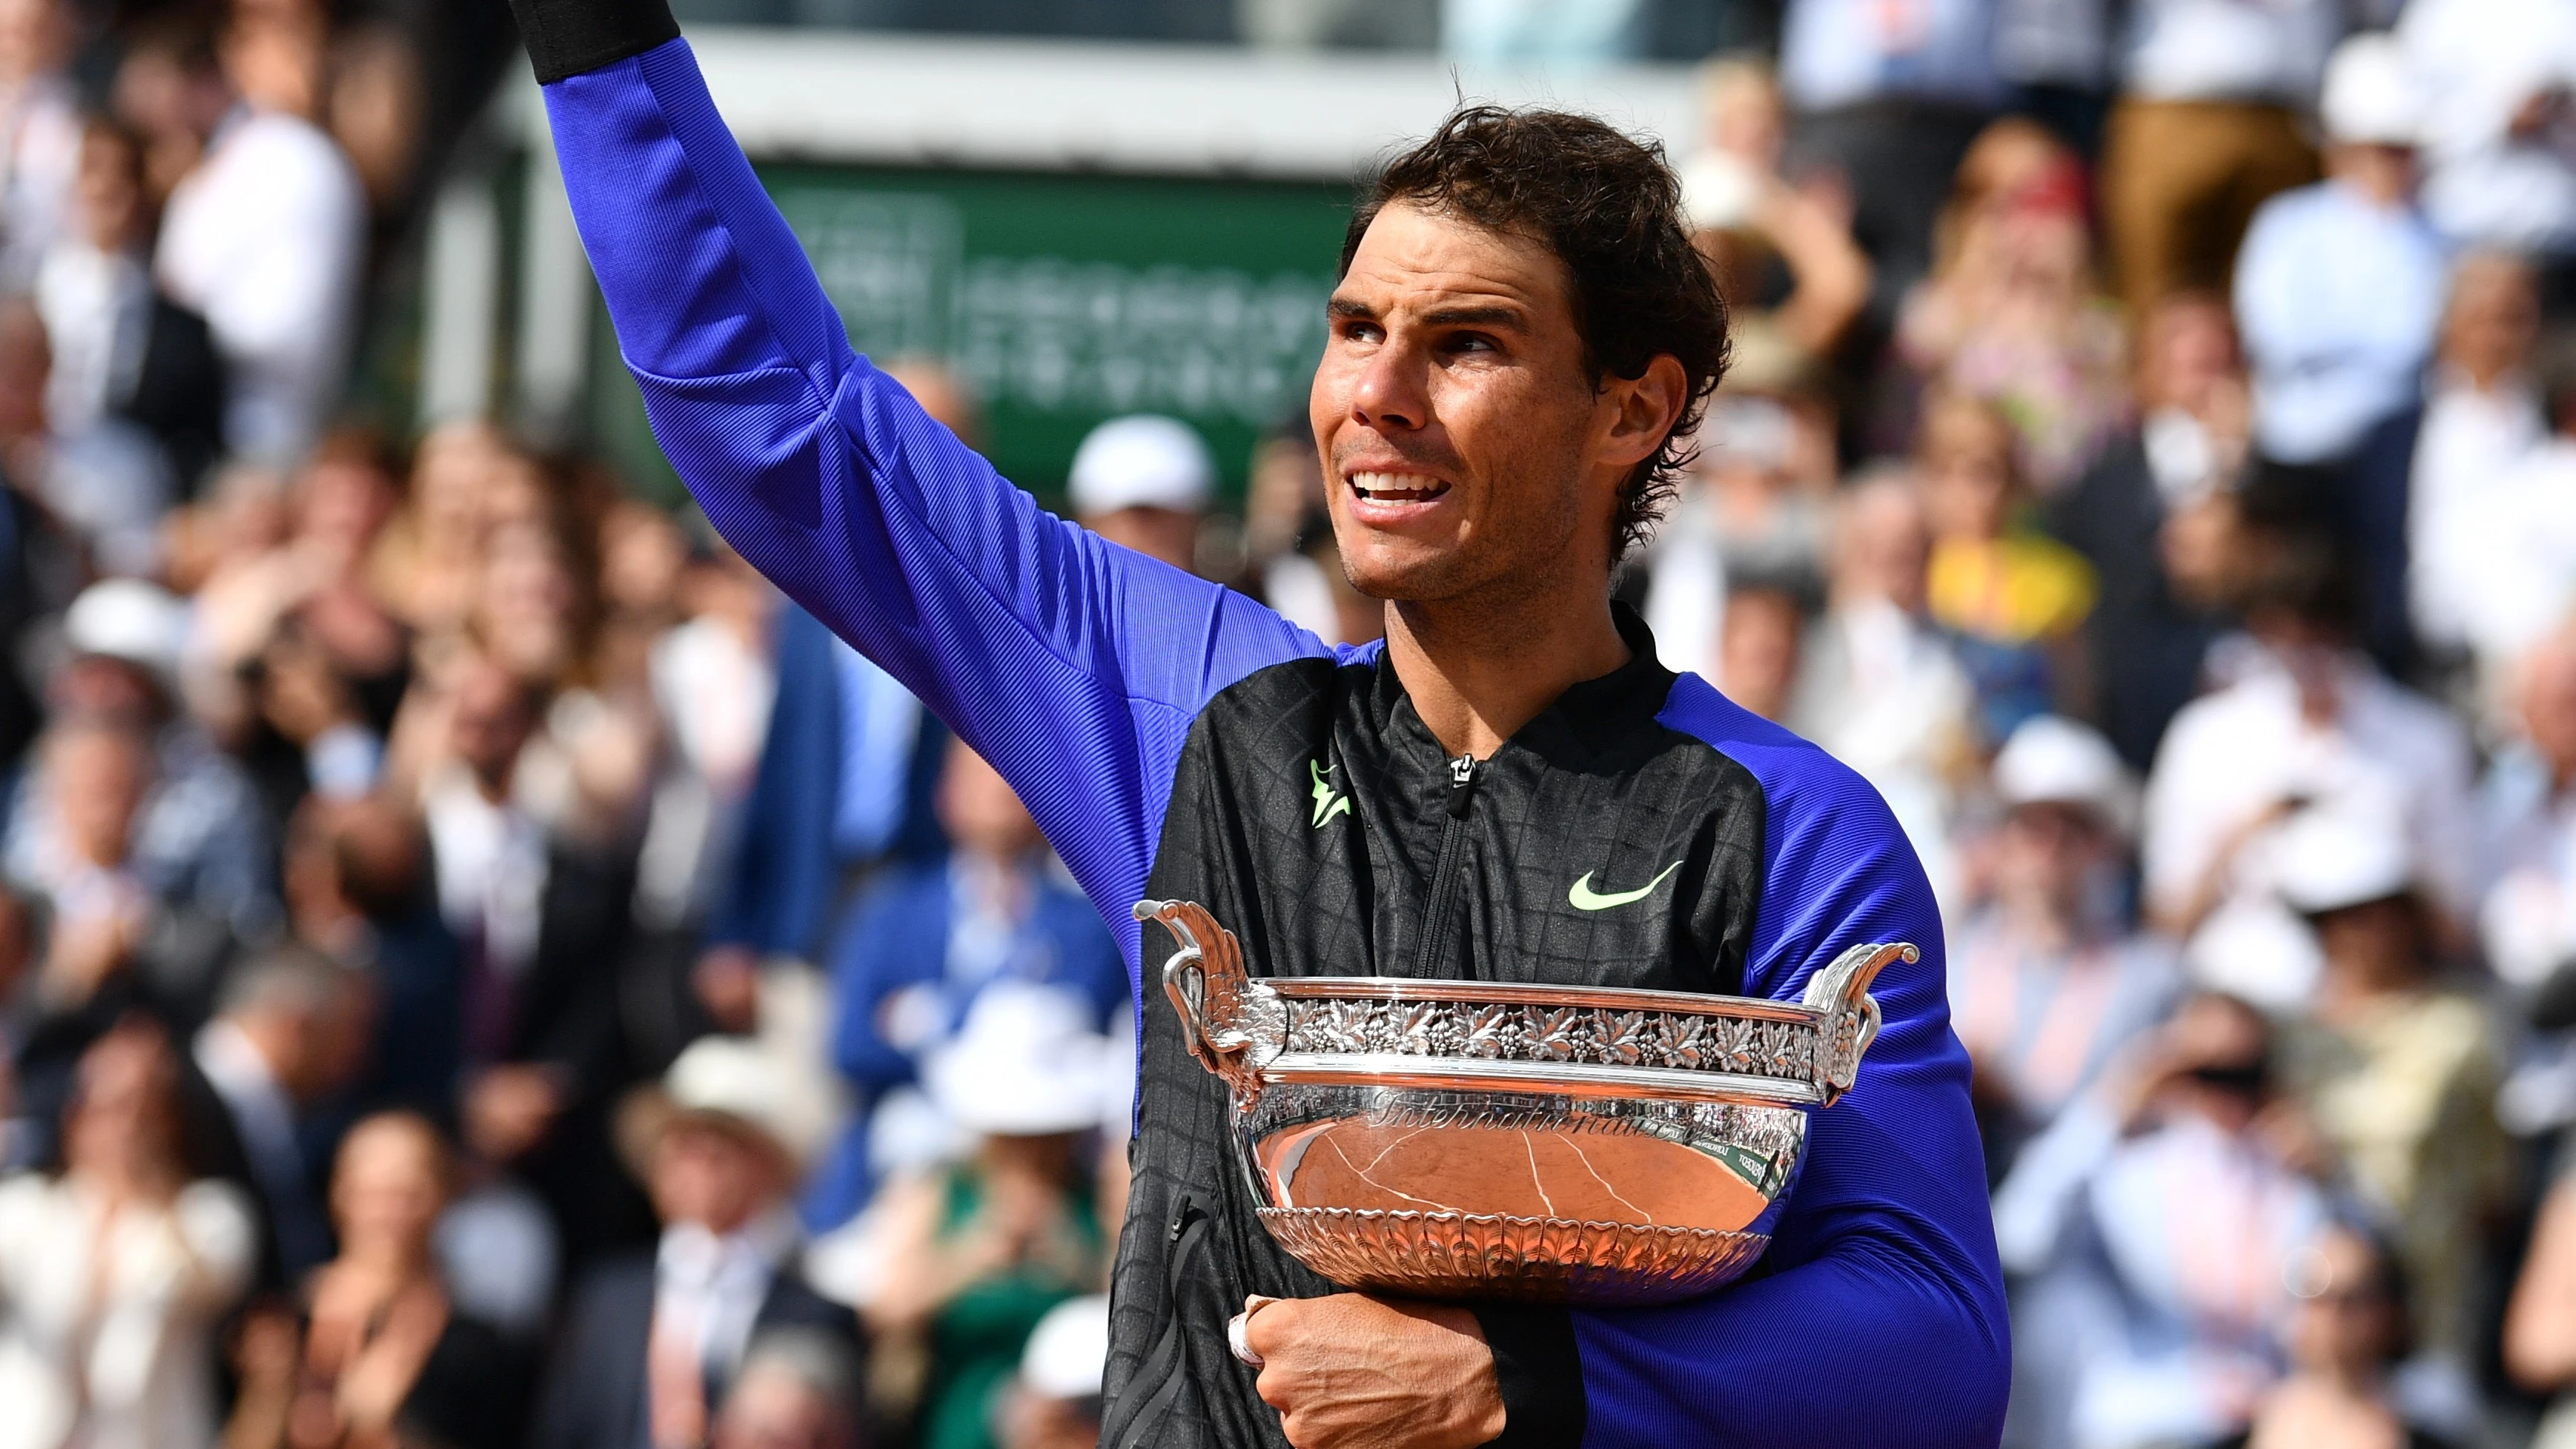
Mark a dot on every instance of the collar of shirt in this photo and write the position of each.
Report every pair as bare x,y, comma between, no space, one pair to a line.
717,1283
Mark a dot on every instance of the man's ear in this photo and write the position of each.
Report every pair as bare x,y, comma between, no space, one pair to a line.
1642,411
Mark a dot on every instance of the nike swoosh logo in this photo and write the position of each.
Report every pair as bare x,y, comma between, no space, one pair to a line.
1584,898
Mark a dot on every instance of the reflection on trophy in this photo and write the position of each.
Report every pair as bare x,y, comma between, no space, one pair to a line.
1492,1140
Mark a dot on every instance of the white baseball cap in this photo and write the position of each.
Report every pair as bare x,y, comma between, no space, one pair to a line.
1142,461
741,1083
1068,1352
1025,1063
131,620
2370,96
2328,859
2050,760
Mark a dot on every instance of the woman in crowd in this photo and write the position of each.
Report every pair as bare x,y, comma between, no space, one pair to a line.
2346,1334
379,1357
113,1274
2013,597
2013,311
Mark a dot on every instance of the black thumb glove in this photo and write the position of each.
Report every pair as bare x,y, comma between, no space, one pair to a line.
567,37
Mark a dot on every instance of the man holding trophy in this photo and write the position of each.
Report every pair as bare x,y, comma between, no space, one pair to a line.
1513,973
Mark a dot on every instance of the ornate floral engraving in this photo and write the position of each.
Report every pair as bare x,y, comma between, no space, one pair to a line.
1790,1051
1736,1045
1556,1033
1682,1040
1493,1032
1626,1039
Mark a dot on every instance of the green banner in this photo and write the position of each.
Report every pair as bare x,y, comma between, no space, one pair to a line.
1068,299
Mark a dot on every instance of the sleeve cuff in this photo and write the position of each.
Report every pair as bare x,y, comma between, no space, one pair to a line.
1541,1374
568,37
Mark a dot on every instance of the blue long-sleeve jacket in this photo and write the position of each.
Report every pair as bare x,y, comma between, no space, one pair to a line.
1173,737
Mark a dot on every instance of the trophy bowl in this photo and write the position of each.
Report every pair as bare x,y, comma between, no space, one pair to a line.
1472,1139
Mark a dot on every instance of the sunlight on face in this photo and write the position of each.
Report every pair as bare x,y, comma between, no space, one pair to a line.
1454,412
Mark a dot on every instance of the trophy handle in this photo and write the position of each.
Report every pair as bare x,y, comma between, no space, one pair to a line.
1232,1023
1847,1015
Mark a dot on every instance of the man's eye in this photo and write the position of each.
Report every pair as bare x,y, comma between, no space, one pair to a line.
1363,332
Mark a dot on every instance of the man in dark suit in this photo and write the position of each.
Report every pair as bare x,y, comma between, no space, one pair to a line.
540,911
653,1342
290,1032
2146,516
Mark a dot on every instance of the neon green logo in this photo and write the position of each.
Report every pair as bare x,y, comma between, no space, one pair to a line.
1584,898
1329,802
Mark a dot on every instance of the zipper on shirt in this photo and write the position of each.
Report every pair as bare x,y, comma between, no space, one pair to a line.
1463,774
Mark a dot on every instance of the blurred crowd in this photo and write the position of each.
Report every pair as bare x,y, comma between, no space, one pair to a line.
478,968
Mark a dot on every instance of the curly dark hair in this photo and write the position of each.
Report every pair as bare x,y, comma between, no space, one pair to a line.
1609,207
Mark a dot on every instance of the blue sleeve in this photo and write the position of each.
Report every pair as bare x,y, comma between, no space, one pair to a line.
1880,1320
1075,666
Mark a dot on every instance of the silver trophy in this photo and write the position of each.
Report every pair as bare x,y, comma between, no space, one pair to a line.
1472,1139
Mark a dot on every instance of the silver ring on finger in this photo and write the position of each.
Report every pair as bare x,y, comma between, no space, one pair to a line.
1238,1344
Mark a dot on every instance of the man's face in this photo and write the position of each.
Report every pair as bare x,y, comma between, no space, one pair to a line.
1881,547
2190,355
769,1410
707,1175
1168,534
2549,704
2048,850
2373,947
99,776
1967,472
1464,442
109,189
2493,320
491,722
980,811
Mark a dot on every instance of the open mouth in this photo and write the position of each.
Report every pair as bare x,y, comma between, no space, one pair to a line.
1397,487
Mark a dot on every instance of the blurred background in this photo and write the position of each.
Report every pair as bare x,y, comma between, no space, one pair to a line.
479,969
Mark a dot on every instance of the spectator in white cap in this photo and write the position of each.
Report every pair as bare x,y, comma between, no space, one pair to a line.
2398,1074
2049,978
2310,723
129,790
653,1343
1056,1403
1144,482
975,1254
2339,286
202,835
2497,75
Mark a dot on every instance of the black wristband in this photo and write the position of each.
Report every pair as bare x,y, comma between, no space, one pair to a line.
1540,1372
567,37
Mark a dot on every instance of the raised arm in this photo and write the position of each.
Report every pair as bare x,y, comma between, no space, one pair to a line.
1073,665
1879,1315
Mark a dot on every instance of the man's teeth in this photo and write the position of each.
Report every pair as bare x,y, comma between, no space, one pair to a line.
1397,487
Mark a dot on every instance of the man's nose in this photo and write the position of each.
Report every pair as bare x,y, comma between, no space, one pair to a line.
1389,393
